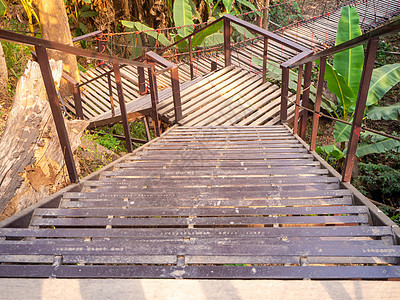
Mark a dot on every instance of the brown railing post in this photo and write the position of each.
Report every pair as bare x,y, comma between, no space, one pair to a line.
317,105
298,97
227,42
78,101
154,101
100,48
43,60
142,81
305,99
110,92
360,108
176,94
122,108
265,54
214,66
284,94
191,59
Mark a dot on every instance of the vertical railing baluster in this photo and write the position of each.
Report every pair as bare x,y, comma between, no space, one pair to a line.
122,108
360,108
298,97
110,92
227,42
284,94
45,68
191,58
154,100
78,101
305,99
265,55
176,94
142,81
317,105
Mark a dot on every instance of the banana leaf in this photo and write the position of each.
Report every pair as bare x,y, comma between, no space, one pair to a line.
341,132
391,112
148,30
3,8
350,62
382,80
378,147
228,4
183,17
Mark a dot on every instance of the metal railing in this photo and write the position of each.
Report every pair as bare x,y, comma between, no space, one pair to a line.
372,40
41,46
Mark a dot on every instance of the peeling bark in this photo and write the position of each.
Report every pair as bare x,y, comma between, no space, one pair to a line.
31,160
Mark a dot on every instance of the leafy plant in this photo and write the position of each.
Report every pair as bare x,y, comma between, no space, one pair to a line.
343,79
78,11
3,8
107,140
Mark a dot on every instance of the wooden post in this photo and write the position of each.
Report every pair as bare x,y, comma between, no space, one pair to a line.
227,42
176,94
191,59
317,105
43,60
154,101
111,94
298,97
284,94
265,19
265,55
122,108
78,101
306,99
142,81
360,108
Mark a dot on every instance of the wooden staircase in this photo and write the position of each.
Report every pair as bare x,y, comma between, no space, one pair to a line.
206,202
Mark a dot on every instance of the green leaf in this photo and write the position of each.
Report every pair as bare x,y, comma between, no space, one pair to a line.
3,8
391,112
228,4
249,5
87,1
350,62
83,27
341,132
330,150
148,30
245,34
216,39
89,14
195,13
379,147
382,80
183,17
199,37
338,86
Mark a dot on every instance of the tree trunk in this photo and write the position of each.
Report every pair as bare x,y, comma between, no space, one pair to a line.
3,74
31,159
121,8
55,27
265,19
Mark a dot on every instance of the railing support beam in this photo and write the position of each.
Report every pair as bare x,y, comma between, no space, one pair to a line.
122,108
227,42
305,99
317,106
43,60
298,97
360,108
265,56
284,94
154,101
176,94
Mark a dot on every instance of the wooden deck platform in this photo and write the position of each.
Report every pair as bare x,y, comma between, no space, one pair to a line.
206,202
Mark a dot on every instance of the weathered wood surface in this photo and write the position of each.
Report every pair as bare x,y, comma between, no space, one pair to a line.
193,205
31,161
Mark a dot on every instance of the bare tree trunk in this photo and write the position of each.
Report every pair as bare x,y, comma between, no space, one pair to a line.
31,159
55,27
265,20
3,74
121,8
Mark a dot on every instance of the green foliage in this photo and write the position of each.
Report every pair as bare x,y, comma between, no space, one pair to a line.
391,112
78,11
107,140
383,79
350,62
149,31
183,17
381,179
3,8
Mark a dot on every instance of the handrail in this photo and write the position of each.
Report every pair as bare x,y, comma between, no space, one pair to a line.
86,36
29,40
392,27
